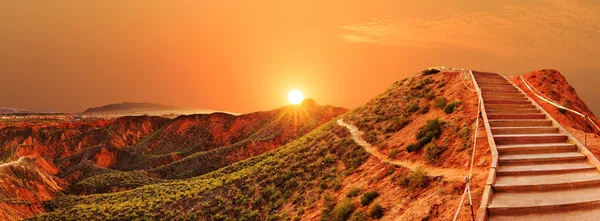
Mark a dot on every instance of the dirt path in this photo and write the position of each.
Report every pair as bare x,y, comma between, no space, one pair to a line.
451,174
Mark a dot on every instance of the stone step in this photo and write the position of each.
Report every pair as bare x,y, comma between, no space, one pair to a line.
569,214
511,101
505,139
516,116
523,130
544,168
519,159
543,202
512,111
547,181
509,106
536,148
519,123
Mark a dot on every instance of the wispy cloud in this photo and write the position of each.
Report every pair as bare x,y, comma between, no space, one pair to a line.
544,30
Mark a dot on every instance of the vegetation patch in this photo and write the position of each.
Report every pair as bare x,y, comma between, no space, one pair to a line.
432,153
430,71
428,132
451,106
440,102
368,197
416,179
376,211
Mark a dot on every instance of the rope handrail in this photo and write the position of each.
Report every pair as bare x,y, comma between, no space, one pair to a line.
463,81
550,101
470,176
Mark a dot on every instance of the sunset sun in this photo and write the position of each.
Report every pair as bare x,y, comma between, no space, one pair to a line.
295,97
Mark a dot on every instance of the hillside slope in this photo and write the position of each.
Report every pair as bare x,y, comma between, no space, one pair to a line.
325,174
128,152
555,86
24,185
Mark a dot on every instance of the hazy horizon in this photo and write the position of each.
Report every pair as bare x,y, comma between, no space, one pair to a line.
243,56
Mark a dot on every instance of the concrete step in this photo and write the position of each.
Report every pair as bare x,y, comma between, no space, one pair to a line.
582,214
519,123
511,101
509,106
512,111
491,81
544,168
497,87
520,159
536,148
506,91
509,94
542,202
506,139
523,130
515,116
492,96
547,181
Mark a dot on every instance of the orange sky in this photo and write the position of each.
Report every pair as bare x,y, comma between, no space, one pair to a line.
244,56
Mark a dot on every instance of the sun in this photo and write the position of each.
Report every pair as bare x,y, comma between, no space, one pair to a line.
295,97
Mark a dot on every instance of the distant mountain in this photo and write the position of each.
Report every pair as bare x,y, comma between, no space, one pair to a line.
136,109
10,110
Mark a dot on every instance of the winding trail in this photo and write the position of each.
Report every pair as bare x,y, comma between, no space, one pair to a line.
451,174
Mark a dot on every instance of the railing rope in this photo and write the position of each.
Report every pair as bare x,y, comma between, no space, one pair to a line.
470,176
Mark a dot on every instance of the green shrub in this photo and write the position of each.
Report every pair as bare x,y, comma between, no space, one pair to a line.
328,202
430,71
451,106
372,137
430,95
413,147
343,210
433,128
465,133
416,179
397,124
393,152
440,102
376,211
432,153
359,215
353,192
411,108
424,110
368,197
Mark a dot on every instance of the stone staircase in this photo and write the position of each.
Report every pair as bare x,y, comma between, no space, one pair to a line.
540,173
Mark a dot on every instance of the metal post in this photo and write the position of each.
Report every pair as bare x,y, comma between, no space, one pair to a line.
585,129
471,202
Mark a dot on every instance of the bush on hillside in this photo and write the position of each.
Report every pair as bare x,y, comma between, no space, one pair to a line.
428,132
343,210
368,197
397,124
430,71
353,192
411,108
440,102
432,153
376,211
416,179
451,106
359,215
393,153
424,110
